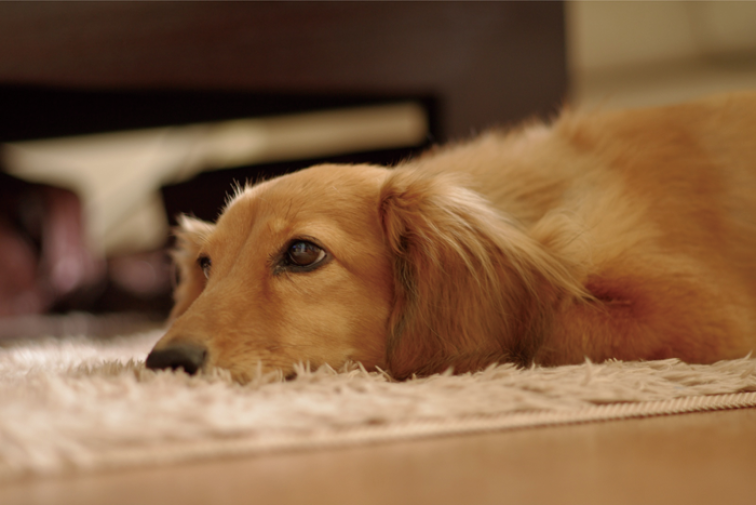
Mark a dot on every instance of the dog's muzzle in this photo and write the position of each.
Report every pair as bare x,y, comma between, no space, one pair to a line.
184,355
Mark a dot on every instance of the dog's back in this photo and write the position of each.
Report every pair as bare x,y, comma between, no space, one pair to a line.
654,209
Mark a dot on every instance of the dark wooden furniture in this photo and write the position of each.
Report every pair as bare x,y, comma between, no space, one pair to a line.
485,63
69,68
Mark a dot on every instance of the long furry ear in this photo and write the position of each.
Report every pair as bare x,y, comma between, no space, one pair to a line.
471,288
190,235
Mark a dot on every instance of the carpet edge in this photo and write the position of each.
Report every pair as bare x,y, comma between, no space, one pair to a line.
373,434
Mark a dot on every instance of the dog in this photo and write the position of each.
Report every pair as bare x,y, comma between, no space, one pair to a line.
626,235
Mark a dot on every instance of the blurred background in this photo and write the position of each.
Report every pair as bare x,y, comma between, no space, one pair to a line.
116,117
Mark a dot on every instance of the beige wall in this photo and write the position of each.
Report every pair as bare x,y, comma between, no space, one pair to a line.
638,53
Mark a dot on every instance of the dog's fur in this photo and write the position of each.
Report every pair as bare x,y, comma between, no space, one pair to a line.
628,235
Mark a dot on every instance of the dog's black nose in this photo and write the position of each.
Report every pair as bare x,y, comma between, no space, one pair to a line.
184,355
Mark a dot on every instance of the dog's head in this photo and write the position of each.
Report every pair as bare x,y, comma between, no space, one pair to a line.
389,268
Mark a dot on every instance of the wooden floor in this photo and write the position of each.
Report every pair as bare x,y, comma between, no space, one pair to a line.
706,458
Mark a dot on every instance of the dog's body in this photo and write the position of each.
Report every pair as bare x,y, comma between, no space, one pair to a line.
628,235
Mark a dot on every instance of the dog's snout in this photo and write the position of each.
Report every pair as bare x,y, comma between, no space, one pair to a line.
184,355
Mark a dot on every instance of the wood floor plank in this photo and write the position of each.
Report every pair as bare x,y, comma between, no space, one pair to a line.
692,458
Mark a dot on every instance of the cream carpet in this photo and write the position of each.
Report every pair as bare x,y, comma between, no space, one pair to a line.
78,404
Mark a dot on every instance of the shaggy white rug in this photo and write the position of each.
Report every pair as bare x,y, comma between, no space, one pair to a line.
76,404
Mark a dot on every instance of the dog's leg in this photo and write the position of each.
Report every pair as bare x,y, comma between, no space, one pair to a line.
645,317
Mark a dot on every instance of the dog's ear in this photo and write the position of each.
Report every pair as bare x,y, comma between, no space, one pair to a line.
470,287
190,235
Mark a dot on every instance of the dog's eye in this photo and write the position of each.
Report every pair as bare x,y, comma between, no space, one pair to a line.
205,264
304,254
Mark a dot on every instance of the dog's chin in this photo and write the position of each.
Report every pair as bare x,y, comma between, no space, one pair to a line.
260,373
265,375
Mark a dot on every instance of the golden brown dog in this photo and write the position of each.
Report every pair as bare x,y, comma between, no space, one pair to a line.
628,235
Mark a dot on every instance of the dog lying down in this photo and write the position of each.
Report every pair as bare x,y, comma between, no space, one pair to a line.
626,234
